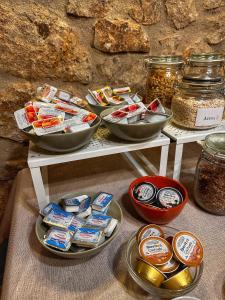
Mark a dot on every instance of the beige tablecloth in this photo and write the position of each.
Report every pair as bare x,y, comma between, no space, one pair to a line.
32,273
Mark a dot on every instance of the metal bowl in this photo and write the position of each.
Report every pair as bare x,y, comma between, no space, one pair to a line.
98,109
64,142
135,132
41,229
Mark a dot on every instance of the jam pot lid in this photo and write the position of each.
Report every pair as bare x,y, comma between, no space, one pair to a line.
215,144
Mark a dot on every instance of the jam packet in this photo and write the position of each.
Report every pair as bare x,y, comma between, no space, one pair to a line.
46,92
121,91
99,97
156,106
63,95
51,206
75,125
58,218
117,116
47,113
58,238
69,109
102,201
46,126
76,223
88,237
25,116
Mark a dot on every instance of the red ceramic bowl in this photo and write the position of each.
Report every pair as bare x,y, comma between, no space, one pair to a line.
154,214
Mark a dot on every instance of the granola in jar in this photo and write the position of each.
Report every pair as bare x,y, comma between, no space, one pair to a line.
198,104
164,74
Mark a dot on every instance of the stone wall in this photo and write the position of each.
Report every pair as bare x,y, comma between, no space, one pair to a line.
76,44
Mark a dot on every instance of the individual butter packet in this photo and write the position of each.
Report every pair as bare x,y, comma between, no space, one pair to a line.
98,221
58,238
85,213
58,218
104,212
48,112
46,92
42,127
76,223
111,227
87,237
73,204
51,206
85,204
102,201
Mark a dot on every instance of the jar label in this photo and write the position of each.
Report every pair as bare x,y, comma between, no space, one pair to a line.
209,116
155,248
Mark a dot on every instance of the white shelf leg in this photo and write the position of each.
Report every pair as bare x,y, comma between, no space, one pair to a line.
147,163
163,160
178,161
44,172
134,163
39,187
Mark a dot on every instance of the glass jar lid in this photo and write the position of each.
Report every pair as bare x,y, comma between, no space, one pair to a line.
215,144
164,60
189,83
206,58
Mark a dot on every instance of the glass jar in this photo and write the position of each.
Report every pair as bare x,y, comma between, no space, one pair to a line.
209,184
164,74
198,104
210,65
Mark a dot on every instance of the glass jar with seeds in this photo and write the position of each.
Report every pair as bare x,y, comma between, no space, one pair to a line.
164,74
209,185
198,103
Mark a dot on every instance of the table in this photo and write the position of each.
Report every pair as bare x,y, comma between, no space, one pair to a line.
183,136
103,143
32,273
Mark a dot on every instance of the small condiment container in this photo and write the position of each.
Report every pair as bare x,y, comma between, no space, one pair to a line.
178,281
155,250
149,230
170,267
187,248
145,192
169,197
148,272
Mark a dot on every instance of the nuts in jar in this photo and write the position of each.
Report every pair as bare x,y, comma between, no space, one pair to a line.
209,186
165,72
198,104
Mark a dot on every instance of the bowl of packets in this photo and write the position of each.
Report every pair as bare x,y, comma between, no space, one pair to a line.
54,121
164,261
158,199
136,122
108,97
79,226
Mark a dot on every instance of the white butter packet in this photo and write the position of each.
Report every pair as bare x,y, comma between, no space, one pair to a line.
100,221
87,237
85,213
111,227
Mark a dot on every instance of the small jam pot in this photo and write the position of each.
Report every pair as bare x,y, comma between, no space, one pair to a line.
169,197
155,250
149,230
149,273
145,192
179,280
187,248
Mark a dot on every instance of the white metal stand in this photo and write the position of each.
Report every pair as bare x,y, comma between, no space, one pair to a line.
103,143
182,136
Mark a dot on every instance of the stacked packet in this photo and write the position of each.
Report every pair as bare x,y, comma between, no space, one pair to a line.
53,111
79,222
107,96
138,113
